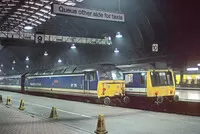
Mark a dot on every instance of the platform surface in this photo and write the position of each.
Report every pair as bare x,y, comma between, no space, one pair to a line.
188,95
13,121
79,117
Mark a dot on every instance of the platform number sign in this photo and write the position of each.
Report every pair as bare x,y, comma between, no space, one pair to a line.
154,47
39,38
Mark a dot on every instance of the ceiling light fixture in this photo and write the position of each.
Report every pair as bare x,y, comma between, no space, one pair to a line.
27,59
28,27
192,69
45,53
116,50
59,60
118,35
73,46
14,62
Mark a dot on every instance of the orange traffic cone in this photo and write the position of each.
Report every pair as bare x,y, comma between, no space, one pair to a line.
53,113
21,106
101,128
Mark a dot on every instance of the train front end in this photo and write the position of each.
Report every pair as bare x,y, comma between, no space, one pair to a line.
111,86
161,85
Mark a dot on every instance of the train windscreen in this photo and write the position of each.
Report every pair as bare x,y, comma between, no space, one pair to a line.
162,78
113,74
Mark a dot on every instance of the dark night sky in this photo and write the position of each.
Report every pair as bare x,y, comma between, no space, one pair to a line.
183,22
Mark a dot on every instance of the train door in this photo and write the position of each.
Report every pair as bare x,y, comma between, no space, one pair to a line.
90,82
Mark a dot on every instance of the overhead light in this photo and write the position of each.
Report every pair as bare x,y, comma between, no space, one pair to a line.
0,71
118,35
73,46
198,64
116,50
14,62
192,69
70,3
45,53
109,38
1,65
59,60
61,0
28,27
13,68
79,0
27,58
27,66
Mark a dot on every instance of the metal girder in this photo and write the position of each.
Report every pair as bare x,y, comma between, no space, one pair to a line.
5,18
56,38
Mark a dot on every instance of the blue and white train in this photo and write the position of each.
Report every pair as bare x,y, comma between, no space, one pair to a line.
103,82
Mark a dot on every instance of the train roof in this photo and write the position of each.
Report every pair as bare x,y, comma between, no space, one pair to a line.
73,69
10,76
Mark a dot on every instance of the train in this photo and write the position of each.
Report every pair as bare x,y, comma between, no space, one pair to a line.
188,80
102,82
152,84
106,83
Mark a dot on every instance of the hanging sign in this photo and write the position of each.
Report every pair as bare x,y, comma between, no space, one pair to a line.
87,13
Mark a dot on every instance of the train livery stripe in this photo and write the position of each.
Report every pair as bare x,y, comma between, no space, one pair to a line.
9,86
37,89
47,76
136,90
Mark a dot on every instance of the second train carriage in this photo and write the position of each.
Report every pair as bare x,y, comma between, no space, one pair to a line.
12,83
156,84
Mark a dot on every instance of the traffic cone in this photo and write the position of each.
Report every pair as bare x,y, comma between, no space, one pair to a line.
8,102
1,100
21,106
53,113
101,128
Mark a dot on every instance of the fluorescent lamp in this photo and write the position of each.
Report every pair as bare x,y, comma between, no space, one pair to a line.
28,27
192,69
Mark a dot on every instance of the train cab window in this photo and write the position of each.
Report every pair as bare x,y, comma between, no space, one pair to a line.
161,78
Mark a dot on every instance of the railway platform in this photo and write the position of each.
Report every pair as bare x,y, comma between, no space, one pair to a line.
81,118
13,121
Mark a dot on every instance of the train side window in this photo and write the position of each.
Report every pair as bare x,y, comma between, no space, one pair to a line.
93,76
128,78
143,79
90,76
87,76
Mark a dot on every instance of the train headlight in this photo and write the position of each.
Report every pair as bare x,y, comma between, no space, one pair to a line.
156,93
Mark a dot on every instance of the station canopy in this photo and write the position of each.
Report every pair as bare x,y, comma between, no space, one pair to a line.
142,22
